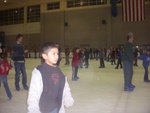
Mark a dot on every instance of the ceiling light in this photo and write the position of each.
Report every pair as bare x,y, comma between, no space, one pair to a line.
5,1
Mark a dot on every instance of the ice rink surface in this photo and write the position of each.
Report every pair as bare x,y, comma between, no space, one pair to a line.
99,90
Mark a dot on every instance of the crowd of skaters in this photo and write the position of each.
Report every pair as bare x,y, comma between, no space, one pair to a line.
81,57
112,55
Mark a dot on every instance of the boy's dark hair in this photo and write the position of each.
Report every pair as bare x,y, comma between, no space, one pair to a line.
48,45
76,48
18,36
3,56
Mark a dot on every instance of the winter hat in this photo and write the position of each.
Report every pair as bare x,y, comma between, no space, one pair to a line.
130,34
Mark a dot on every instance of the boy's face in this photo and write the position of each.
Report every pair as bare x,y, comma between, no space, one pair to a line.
52,57
20,39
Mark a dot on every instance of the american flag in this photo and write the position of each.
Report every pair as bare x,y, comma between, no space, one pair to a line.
133,10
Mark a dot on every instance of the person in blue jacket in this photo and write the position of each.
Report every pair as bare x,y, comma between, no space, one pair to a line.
146,63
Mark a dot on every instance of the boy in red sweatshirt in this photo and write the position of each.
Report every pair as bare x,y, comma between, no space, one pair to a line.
4,67
75,63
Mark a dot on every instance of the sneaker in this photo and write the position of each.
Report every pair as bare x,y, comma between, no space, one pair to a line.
18,88
77,77
146,80
116,68
9,97
26,87
74,79
132,86
128,89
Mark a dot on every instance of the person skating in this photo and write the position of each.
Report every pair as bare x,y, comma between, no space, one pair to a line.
128,63
4,68
146,62
18,57
75,64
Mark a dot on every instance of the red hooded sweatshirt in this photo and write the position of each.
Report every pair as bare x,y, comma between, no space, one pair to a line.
75,59
4,67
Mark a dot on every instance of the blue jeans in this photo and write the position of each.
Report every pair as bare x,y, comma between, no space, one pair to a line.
54,111
74,71
4,80
20,67
128,73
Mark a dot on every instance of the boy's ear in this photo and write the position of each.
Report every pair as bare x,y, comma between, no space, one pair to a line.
44,56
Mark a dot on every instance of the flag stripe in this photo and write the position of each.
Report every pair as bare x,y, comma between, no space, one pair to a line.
133,10
137,10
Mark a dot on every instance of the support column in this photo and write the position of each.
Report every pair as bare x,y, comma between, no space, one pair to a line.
42,23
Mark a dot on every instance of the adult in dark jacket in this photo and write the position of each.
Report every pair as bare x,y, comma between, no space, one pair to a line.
119,55
113,56
19,63
67,52
101,57
86,57
91,53
128,63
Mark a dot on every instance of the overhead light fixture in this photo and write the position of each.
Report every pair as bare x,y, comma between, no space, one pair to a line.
5,1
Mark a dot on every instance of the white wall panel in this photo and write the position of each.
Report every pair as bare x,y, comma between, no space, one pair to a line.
13,29
30,28
33,28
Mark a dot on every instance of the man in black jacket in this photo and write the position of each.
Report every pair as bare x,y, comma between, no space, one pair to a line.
67,52
86,57
128,63
19,62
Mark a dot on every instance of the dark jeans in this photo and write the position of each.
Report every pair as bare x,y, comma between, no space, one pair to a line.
108,57
86,62
113,60
102,62
128,73
67,59
135,64
119,62
146,73
4,80
20,67
74,71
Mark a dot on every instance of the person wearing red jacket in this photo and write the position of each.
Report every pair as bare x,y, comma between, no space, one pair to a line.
75,63
4,67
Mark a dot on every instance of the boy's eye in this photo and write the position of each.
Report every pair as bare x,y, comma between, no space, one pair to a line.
54,53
